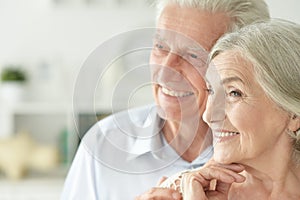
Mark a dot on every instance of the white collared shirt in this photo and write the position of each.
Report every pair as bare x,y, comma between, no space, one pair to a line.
123,156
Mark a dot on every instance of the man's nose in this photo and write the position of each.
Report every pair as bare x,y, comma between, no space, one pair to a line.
172,60
167,74
171,68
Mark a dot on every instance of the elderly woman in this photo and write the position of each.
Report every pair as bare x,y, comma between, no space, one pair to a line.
254,112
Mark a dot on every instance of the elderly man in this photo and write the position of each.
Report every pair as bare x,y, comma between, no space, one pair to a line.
171,136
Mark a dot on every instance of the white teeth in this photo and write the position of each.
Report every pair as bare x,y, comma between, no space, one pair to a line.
222,134
176,93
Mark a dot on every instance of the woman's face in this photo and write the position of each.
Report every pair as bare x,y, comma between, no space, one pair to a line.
246,124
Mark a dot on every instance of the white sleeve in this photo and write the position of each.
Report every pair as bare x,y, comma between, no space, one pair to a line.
80,183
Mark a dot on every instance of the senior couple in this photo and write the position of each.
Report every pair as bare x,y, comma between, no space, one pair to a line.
226,120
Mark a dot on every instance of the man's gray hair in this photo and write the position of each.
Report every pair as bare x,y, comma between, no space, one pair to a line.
241,12
273,48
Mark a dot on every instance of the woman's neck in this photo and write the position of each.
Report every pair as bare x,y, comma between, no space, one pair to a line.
258,185
272,175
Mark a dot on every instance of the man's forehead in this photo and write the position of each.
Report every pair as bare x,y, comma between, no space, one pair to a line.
172,37
203,26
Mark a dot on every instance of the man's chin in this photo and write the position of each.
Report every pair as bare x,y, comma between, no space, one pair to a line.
174,114
169,113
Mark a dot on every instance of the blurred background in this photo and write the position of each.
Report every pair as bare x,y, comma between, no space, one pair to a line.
43,45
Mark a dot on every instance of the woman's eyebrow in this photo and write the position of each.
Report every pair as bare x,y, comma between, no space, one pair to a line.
232,79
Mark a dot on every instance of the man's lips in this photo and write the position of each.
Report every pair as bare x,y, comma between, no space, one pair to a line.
174,93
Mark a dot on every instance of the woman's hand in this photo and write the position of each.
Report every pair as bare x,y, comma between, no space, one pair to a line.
211,182
158,193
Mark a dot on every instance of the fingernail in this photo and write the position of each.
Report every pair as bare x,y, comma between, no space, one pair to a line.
176,195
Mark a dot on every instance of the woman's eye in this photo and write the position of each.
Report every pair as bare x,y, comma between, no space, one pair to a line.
159,46
210,90
235,93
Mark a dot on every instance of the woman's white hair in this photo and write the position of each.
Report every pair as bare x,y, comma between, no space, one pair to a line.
241,12
273,48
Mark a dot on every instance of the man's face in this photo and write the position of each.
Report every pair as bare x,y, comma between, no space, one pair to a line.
178,59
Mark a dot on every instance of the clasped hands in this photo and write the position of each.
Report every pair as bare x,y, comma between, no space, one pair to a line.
210,182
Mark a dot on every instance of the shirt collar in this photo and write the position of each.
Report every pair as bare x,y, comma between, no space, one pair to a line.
153,141
156,144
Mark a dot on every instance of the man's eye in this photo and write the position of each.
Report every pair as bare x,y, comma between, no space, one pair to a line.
193,55
194,59
161,47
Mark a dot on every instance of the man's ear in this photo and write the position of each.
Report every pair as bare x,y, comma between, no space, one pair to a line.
294,124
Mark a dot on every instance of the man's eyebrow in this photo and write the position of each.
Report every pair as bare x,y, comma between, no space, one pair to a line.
196,48
232,79
157,36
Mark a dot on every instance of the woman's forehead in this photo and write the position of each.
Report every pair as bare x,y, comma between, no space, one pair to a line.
229,63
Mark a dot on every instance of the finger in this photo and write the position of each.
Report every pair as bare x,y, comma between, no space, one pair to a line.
234,166
220,193
161,180
160,194
199,178
220,173
193,187
239,178
223,187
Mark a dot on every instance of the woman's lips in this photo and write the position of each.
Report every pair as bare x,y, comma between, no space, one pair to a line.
223,135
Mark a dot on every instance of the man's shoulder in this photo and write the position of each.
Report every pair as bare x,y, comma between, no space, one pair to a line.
126,139
122,122
130,117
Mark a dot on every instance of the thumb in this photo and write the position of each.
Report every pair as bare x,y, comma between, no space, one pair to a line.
221,191
223,187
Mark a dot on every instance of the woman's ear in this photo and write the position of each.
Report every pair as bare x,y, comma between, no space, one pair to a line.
294,124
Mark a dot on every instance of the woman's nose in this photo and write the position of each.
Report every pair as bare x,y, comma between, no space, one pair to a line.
215,107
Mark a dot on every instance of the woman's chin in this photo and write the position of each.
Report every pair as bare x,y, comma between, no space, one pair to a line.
222,159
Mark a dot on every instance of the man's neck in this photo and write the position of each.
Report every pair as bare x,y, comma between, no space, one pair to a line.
188,139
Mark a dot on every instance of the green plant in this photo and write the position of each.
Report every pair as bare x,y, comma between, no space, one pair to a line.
13,73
